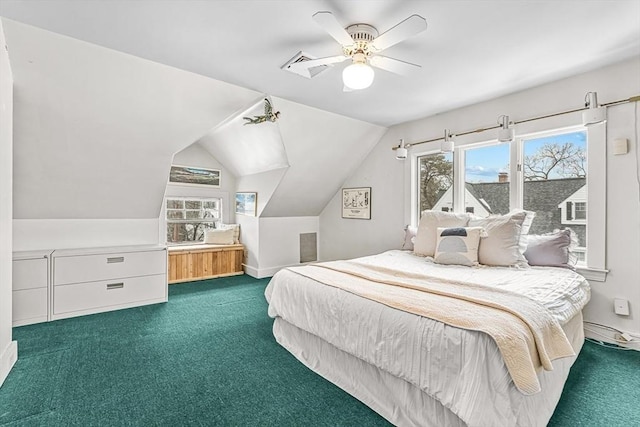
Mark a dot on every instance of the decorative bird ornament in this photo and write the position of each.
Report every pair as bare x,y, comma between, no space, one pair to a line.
269,115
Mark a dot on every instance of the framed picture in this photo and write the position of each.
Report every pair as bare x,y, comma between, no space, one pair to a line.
246,203
356,203
192,175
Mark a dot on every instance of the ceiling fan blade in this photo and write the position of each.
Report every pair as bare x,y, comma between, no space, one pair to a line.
411,26
331,25
394,65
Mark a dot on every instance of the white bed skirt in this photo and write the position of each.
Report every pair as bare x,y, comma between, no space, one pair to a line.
401,402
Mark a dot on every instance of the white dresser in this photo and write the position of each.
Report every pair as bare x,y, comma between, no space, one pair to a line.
30,297
93,280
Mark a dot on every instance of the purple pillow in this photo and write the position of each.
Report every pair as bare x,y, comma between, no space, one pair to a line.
550,250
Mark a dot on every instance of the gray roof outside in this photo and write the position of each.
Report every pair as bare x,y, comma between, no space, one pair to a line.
541,197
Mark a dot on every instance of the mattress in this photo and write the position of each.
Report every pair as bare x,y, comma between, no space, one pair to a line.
460,372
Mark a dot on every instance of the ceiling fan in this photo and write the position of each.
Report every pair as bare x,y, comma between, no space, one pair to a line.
361,43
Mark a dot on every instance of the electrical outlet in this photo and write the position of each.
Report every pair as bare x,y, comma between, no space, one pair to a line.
621,306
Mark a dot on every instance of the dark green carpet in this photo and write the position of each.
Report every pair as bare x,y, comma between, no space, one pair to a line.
208,357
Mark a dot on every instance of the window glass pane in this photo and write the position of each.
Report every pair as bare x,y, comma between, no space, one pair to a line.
581,210
192,204
487,180
211,214
187,231
174,214
194,214
210,204
435,179
175,204
555,184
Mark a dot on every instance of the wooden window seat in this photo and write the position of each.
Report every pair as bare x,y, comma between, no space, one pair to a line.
202,261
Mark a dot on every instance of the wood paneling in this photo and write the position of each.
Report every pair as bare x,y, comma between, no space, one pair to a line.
188,264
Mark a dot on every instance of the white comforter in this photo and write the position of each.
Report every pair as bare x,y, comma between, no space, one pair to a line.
462,369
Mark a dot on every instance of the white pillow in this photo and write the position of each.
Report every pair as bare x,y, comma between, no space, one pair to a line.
526,225
458,246
501,246
219,237
236,231
425,241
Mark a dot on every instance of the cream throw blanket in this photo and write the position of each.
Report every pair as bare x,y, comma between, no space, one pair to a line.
528,337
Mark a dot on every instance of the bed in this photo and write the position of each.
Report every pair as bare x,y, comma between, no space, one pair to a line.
417,371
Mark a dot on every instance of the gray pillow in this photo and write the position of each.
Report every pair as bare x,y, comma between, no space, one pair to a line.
501,246
409,236
550,250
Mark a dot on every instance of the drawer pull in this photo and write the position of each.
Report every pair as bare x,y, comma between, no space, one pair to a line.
115,285
115,259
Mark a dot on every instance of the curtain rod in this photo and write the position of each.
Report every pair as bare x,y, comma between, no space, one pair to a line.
608,104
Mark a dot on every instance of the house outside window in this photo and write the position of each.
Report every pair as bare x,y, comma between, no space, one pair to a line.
189,217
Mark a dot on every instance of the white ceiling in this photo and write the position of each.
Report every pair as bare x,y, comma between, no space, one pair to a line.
471,51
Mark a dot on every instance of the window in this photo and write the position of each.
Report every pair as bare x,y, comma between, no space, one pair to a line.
188,218
486,180
580,210
554,169
541,170
435,178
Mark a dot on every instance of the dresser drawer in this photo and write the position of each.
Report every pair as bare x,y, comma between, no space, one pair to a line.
29,305
30,274
85,268
108,293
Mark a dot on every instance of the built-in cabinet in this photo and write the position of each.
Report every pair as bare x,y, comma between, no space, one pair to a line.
199,262
73,282
30,296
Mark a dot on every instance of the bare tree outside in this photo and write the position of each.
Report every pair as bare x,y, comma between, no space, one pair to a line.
555,160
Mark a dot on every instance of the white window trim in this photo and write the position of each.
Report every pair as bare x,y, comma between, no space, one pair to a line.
595,266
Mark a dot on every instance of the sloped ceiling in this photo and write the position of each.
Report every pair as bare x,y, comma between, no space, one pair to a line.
95,130
311,153
247,149
322,149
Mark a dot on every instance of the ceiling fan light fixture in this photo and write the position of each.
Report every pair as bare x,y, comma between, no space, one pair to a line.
358,75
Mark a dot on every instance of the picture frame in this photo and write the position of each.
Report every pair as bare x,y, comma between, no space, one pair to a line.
356,203
247,203
189,175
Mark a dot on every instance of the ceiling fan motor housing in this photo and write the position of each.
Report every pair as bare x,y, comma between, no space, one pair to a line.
362,35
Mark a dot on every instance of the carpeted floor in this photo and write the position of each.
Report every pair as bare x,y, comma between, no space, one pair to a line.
208,357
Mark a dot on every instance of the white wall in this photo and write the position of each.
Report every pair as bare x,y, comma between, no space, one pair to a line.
280,242
264,184
250,238
95,133
274,243
8,348
34,234
322,149
391,194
